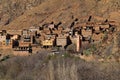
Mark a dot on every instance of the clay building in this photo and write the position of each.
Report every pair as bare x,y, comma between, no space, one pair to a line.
50,36
77,40
15,37
41,38
86,34
63,41
2,36
96,29
46,30
57,32
26,38
14,32
5,39
60,28
48,43
33,29
104,27
78,43
97,37
51,26
2,40
24,32
41,28
8,40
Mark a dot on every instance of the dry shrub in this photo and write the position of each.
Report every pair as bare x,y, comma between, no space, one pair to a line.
35,68
71,48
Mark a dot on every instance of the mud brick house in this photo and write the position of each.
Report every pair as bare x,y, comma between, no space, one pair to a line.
33,29
33,33
84,27
7,44
86,33
39,32
78,27
67,29
48,39
50,36
104,27
22,40
41,38
14,32
57,31
60,28
97,37
2,40
61,41
96,29
90,24
40,28
8,36
46,30
48,43
15,37
5,39
73,39
25,32
51,26
22,50
71,32
77,40
26,38
23,44
78,43
113,23
3,32
13,40
65,32
12,35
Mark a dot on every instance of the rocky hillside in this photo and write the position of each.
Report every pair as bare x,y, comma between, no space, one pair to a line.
12,9
19,14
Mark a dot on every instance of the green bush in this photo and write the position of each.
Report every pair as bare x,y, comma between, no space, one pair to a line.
5,58
90,50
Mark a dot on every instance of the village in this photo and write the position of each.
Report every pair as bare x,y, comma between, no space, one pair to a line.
51,35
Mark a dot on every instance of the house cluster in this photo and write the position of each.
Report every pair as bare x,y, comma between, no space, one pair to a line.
52,35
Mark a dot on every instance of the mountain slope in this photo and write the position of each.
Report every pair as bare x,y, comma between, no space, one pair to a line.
65,11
